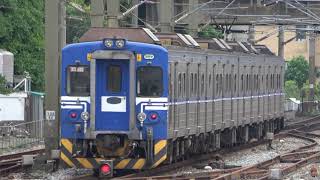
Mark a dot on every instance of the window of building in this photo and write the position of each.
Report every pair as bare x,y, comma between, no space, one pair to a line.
149,81
78,80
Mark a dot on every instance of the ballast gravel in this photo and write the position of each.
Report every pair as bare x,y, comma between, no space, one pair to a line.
252,156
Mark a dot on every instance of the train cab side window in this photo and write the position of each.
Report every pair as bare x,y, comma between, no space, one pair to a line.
191,85
209,81
179,85
149,81
202,84
114,78
195,84
217,85
78,80
184,85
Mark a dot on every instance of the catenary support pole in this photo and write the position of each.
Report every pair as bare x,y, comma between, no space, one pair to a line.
312,53
97,13
281,42
55,39
113,11
193,21
166,14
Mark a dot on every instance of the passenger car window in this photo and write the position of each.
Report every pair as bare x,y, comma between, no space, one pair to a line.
114,78
78,81
149,81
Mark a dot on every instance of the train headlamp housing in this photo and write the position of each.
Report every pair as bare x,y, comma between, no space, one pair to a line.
85,116
114,43
120,43
108,43
141,116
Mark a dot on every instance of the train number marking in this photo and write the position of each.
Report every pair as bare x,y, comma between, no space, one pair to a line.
148,56
50,115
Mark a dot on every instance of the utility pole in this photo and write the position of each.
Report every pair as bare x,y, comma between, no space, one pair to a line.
166,14
251,38
113,11
193,20
97,13
281,42
312,53
134,19
55,39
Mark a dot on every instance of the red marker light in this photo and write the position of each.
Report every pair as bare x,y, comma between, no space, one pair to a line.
73,115
105,169
154,116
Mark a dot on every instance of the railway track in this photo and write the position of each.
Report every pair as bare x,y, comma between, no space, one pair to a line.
289,162
13,162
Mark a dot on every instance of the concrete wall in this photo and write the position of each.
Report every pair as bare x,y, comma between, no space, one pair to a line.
12,107
292,49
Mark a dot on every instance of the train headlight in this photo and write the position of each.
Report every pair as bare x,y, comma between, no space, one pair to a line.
108,43
120,43
85,116
141,117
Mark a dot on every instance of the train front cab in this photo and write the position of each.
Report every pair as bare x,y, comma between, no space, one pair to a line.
122,122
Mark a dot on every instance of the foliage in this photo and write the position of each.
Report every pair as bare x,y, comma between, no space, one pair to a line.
291,89
22,33
3,86
78,22
297,70
210,32
306,90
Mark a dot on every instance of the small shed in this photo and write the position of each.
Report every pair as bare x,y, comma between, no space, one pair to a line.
12,107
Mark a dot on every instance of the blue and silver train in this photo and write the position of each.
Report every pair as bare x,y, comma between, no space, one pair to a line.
135,105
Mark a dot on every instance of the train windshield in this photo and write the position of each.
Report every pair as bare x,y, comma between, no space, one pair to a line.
149,81
78,81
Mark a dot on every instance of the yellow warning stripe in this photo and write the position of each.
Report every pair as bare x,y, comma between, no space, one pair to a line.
159,146
66,160
163,158
139,164
85,163
67,144
122,164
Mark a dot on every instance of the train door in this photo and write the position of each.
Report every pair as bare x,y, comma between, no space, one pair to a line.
112,95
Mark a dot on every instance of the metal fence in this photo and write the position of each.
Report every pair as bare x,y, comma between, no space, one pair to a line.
28,133
21,135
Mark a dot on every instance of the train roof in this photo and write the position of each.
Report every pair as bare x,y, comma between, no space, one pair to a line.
176,40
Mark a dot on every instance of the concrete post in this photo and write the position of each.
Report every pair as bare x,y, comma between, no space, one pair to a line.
113,10
97,13
166,14
134,20
55,39
312,53
251,35
281,42
193,19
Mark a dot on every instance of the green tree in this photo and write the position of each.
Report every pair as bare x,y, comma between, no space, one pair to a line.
3,86
297,70
210,32
291,89
22,33
78,19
